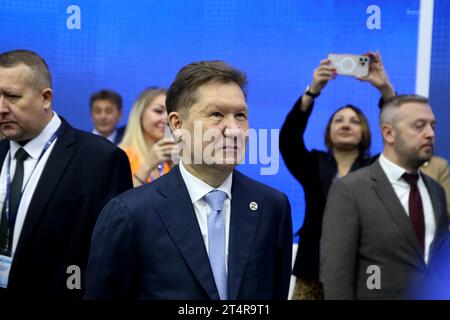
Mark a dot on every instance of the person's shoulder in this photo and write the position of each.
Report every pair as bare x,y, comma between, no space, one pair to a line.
150,193
94,145
362,175
137,199
263,190
438,162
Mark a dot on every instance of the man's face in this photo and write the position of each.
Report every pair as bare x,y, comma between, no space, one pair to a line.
414,133
221,113
105,115
23,108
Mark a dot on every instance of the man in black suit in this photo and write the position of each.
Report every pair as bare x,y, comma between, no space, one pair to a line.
54,181
106,112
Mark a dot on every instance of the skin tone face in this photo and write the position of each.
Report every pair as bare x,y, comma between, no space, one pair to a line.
154,119
410,141
24,109
105,115
222,111
346,130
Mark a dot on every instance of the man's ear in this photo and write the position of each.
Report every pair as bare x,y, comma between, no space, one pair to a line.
388,132
47,95
175,120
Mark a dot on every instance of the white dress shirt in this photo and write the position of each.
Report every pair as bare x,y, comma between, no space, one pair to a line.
402,189
197,190
30,178
111,137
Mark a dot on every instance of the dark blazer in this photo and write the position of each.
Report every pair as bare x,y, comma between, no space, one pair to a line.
147,244
315,170
365,224
82,174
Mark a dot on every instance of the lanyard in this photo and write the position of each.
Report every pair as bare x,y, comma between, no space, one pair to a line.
8,177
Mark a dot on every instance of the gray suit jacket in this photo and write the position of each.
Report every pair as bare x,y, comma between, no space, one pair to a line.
365,224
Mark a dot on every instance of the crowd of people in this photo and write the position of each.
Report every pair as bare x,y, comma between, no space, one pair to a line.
139,226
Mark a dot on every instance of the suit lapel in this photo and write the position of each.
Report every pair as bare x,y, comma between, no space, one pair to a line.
4,148
388,197
177,214
243,225
51,174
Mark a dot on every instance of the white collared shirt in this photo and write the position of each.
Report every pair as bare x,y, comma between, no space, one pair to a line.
402,189
111,137
197,190
34,148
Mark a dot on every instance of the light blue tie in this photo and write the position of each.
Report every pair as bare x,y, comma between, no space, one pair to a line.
216,241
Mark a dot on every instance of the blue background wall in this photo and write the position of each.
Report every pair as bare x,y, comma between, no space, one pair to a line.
129,45
440,75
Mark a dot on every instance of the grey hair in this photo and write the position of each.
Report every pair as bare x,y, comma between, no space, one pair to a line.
389,110
40,73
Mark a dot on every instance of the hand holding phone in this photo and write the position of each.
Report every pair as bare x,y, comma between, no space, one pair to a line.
167,131
350,64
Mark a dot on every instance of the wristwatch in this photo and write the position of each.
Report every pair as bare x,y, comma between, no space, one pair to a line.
309,93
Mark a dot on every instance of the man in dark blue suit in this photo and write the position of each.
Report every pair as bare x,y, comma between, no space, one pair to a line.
204,230
54,181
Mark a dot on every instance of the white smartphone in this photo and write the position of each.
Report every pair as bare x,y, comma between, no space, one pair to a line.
350,64
167,131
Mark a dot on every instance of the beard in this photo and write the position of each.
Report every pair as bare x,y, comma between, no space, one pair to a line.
411,155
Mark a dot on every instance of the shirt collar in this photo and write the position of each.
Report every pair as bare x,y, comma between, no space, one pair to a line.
111,137
393,171
35,146
198,189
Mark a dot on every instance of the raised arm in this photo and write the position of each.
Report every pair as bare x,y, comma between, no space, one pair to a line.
292,145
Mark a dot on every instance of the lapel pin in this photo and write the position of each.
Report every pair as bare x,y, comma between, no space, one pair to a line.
253,206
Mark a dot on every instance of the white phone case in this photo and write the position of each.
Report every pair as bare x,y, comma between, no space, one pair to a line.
350,64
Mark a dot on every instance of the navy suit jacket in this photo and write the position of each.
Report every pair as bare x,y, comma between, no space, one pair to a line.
147,244
82,173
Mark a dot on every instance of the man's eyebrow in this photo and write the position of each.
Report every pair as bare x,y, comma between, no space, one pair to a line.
220,106
424,120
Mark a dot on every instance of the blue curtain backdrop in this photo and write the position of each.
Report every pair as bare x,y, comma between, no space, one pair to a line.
440,75
129,45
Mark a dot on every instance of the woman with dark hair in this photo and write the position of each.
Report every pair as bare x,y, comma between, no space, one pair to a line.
348,139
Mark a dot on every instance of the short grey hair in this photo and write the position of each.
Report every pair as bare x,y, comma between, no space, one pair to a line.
389,109
39,68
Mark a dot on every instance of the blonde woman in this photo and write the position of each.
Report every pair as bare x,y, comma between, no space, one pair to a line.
148,151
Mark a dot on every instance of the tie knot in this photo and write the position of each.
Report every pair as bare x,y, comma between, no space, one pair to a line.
411,178
215,199
21,155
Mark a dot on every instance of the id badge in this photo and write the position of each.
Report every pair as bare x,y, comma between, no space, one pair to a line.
5,266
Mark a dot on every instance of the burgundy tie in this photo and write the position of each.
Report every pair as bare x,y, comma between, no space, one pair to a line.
416,208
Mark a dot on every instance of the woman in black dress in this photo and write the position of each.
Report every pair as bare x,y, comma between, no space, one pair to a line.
348,140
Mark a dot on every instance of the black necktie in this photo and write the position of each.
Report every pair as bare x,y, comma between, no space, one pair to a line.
6,229
416,208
